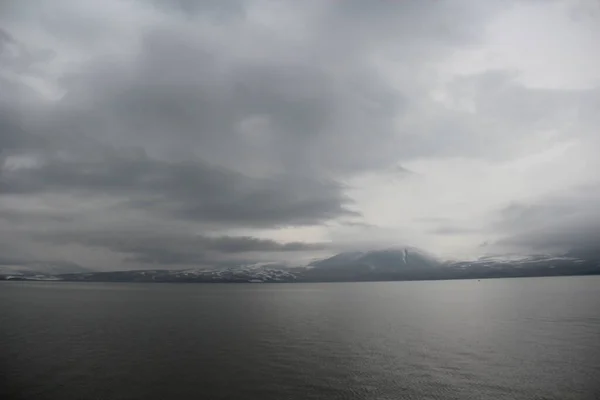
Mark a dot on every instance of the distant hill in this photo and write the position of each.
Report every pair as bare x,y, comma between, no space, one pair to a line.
395,264
42,269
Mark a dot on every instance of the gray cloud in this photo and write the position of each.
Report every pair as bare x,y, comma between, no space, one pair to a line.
453,230
11,137
258,114
4,261
558,223
173,248
194,127
221,117
189,190
13,258
213,8
508,115
22,217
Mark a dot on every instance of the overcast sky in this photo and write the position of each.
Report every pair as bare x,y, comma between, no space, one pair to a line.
180,133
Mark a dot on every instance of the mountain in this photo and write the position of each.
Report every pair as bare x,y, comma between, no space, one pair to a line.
373,265
524,266
387,259
394,264
244,273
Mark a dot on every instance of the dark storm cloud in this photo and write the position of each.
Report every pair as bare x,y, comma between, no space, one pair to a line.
189,190
172,248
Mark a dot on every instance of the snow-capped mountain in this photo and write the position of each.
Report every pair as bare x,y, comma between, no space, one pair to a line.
372,265
517,261
249,273
392,264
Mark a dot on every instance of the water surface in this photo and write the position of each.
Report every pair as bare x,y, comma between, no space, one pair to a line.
532,338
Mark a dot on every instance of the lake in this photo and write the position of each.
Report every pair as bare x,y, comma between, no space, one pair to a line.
530,338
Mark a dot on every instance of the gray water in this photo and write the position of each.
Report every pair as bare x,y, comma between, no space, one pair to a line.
527,338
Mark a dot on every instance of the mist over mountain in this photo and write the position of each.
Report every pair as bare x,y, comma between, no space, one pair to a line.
375,264
390,264
385,259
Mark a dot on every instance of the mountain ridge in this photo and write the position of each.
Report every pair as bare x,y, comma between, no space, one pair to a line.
389,264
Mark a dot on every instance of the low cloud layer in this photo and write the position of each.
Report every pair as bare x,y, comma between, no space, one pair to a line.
173,248
193,191
562,223
205,132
